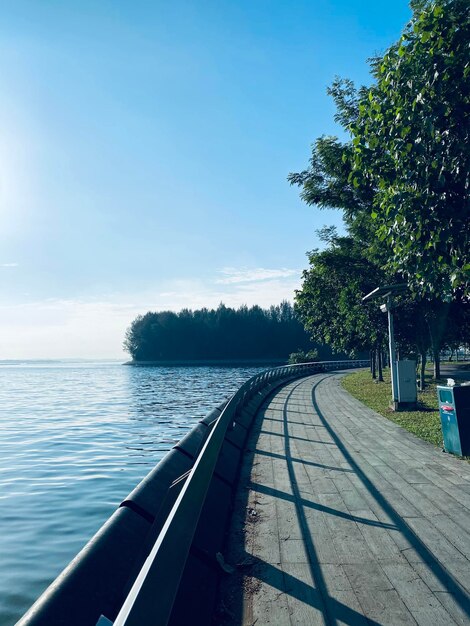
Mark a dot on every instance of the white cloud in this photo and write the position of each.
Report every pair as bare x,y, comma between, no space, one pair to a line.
9,265
232,275
194,294
64,328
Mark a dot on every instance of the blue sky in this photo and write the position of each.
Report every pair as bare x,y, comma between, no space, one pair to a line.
144,149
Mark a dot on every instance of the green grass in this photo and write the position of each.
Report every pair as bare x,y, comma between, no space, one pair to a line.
463,365
424,422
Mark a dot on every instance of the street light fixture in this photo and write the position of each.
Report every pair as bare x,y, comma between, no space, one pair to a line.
387,292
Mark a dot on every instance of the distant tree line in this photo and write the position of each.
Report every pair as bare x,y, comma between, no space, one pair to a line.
246,333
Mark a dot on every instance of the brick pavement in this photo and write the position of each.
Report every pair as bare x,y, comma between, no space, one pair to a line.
342,517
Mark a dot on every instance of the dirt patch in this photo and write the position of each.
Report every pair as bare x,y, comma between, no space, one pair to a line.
237,589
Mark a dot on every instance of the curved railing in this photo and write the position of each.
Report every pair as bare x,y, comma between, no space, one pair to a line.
152,595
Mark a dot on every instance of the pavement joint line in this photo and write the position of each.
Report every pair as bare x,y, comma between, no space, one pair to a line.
384,471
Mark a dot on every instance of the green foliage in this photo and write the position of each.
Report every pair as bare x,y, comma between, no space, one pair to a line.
402,180
329,303
303,357
402,183
217,334
410,143
328,182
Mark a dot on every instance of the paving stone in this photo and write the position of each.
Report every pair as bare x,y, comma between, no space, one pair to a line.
369,575
435,541
287,521
459,614
306,606
449,504
321,548
269,601
453,533
384,607
379,541
293,551
357,521
417,596
345,609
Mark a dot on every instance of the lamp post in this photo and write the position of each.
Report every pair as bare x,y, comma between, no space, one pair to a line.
387,292
387,308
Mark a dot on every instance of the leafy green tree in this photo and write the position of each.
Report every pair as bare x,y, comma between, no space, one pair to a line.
420,328
303,357
329,302
327,181
402,182
411,145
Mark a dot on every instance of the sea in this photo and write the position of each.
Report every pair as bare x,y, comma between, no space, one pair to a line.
75,439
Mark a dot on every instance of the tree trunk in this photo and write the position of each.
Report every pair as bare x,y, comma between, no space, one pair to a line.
437,365
373,364
379,364
436,322
422,369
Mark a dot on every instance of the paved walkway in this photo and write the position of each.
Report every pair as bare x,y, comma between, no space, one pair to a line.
342,517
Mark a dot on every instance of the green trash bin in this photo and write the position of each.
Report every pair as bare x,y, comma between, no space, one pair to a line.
454,411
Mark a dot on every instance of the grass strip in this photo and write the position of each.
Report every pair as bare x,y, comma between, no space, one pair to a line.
424,422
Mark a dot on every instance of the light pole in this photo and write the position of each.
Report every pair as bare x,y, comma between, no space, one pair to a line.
387,292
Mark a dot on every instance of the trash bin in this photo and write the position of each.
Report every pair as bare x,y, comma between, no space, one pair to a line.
454,410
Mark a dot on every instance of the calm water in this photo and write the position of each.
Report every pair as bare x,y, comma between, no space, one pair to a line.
75,438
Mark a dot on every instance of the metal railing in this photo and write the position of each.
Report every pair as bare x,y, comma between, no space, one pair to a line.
152,595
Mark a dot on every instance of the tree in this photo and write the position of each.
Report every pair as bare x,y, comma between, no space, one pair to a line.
411,145
330,300
303,357
402,182
327,182
419,325
222,333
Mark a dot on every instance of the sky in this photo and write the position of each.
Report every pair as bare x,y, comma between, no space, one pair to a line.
144,151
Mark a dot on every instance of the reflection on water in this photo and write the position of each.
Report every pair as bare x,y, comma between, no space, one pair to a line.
75,438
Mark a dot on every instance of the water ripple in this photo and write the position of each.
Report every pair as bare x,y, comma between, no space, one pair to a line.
75,438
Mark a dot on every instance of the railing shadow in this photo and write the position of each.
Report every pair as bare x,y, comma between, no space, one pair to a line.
286,583
333,610
296,497
309,463
317,596
269,432
251,568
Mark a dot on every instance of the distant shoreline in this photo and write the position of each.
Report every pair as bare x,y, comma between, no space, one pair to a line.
208,362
